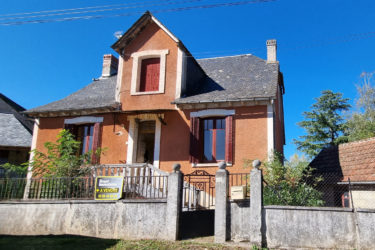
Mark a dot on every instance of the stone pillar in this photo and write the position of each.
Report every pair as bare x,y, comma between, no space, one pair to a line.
256,204
221,204
174,200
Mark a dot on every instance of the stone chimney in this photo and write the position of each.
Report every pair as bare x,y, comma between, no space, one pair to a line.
271,51
110,65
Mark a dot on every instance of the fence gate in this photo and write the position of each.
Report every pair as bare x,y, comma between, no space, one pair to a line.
198,205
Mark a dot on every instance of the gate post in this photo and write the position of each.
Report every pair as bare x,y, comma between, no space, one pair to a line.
174,200
256,204
221,204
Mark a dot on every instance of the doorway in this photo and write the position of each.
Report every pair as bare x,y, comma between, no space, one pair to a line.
146,142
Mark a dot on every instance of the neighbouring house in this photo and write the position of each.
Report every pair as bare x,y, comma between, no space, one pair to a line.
16,131
160,105
349,163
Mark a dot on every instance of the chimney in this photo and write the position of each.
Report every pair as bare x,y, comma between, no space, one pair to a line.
271,51
110,65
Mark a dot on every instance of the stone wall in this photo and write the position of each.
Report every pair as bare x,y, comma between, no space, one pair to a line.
118,219
292,227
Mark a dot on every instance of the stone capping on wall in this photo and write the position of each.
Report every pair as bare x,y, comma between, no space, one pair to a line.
82,201
333,209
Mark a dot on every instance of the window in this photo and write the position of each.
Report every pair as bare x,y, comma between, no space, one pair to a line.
148,72
211,139
85,136
150,75
88,135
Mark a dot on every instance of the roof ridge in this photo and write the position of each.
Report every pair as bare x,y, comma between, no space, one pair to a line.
224,57
357,142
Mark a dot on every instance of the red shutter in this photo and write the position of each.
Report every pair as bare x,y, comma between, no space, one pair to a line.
195,140
150,71
229,139
95,142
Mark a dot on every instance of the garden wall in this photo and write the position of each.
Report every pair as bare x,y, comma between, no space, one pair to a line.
289,226
118,219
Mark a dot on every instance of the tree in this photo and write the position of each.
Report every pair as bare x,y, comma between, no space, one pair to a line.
291,183
362,122
324,124
62,158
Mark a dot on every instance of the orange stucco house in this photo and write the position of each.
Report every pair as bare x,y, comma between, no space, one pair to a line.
158,104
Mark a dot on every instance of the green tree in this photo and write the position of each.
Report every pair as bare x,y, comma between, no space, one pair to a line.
290,183
361,125
324,124
62,158
15,170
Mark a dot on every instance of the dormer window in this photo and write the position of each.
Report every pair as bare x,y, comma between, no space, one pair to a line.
148,73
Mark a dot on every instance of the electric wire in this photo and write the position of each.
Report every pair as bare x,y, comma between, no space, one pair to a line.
169,2
186,8
81,8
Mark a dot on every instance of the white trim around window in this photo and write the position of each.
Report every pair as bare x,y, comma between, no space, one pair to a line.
136,70
133,137
212,112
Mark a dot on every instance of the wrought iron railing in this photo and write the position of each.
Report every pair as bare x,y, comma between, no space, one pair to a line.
141,181
198,191
239,179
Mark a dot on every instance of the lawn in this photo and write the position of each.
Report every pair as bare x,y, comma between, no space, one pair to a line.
79,242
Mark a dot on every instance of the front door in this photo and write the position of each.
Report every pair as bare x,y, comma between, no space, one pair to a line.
146,142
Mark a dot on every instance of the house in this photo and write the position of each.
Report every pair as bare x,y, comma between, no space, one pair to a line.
348,164
15,133
156,103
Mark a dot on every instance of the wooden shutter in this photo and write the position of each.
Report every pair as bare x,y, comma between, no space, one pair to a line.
150,71
95,142
229,139
195,140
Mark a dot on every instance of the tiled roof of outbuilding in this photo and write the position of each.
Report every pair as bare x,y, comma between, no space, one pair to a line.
355,160
235,78
98,94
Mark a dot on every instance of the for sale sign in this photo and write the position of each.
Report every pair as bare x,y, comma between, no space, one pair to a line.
108,187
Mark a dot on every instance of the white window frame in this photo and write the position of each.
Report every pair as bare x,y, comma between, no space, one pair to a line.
136,70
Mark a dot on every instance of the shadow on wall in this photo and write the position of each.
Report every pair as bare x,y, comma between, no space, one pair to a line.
175,138
52,241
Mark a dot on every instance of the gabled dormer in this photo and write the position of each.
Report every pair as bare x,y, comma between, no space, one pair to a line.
153,66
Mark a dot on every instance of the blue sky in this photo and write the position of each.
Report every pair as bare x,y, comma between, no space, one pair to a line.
322,44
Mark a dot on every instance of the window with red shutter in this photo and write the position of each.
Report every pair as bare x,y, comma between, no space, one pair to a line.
211,140
150,73
88,135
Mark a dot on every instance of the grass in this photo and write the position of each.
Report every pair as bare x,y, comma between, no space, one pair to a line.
79,242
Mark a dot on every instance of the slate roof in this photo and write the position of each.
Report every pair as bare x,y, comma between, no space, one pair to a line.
355,160
98,94
235,78
13,133
15,128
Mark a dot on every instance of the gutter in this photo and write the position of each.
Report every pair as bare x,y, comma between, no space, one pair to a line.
254,99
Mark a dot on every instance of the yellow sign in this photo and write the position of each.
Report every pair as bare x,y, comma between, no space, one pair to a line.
108,187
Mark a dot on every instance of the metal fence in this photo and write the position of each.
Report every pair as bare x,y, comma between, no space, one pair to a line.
198,191
139,187
12,188
239,180
146,187
322,190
